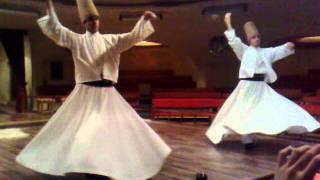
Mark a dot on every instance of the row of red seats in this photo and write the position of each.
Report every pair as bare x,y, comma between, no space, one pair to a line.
312,105
187,95
293,94
185,107
158,82
186,103
308,83
194,102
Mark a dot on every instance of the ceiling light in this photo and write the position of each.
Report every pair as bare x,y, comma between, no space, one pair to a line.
312,39
147,44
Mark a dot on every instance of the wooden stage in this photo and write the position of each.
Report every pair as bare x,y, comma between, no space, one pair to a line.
192,153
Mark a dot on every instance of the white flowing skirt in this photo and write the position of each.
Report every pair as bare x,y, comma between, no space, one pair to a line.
254,107
96,131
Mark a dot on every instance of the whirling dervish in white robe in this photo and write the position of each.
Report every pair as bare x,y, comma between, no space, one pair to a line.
95,130
254,107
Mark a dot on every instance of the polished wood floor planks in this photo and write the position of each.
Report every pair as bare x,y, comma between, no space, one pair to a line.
192,153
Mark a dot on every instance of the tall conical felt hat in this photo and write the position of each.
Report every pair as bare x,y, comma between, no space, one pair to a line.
250,29
86,9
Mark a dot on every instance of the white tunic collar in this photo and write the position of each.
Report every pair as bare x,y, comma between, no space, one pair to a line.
256,48
89,34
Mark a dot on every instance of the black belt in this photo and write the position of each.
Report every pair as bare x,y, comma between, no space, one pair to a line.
100,83
256,77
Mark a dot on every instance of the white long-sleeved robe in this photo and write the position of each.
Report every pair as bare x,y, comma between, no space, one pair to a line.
257,60
254,107
94,54
95,130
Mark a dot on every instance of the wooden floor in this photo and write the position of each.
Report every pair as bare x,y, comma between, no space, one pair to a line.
4,118
192,153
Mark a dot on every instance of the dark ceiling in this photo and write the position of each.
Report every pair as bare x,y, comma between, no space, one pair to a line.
130,3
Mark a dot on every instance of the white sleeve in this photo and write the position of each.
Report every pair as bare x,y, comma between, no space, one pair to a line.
140,32
52,28
235,42
280,52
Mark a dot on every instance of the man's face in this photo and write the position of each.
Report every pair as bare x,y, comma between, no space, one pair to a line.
255,40
92,24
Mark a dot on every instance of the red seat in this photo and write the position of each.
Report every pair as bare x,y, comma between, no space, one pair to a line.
186,95
314,110
311,100
132,97
187,103
185,107
293,94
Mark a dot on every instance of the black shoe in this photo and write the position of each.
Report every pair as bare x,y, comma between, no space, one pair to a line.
249,146
96,177
201,176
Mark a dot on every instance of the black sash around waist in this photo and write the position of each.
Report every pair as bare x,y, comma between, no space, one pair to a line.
100,83
256,77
